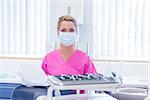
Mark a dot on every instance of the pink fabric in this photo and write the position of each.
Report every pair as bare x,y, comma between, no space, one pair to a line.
78,63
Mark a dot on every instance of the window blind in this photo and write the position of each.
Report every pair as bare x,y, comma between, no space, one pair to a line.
23,26
121,28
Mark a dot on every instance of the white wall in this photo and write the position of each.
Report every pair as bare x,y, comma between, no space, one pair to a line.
9,68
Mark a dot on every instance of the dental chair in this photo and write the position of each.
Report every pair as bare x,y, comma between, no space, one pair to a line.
7,90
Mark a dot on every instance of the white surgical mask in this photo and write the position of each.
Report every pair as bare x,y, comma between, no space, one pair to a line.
67,38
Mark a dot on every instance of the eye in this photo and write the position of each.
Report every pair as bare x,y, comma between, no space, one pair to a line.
72,30
63,30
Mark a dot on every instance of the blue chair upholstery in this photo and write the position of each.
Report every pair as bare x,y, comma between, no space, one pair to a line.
6,90
28,93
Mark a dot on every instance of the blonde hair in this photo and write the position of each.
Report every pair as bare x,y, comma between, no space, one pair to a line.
66,18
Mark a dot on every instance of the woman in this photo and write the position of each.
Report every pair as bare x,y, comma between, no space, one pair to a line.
67,59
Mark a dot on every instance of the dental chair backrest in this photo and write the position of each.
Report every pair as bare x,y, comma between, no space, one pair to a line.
32,75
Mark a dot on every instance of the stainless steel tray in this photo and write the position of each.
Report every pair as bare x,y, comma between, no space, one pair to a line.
81,79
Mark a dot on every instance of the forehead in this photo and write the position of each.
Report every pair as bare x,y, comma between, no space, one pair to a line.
67,24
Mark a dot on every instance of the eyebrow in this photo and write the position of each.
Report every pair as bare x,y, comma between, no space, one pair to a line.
69,28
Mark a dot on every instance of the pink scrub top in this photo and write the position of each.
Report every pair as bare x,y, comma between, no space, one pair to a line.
77,63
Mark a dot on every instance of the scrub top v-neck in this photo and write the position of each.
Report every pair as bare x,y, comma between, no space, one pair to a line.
68,59
77,63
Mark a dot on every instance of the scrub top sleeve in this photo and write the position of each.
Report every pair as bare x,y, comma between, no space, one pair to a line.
89,66
44,66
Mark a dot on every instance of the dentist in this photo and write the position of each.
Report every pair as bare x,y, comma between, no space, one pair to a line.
67,59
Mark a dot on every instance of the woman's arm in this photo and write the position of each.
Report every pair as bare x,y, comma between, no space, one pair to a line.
89,66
